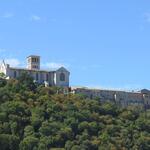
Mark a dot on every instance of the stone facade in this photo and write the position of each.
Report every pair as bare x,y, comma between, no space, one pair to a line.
123,98
54,77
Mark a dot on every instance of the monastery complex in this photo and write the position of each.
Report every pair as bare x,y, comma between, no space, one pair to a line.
60,77
52,77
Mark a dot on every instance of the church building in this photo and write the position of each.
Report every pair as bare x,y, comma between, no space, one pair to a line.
53,77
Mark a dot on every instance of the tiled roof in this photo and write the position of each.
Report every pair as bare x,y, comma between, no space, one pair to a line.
33,56
102,89
26,69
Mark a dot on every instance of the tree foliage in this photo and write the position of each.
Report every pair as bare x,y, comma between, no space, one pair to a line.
34,117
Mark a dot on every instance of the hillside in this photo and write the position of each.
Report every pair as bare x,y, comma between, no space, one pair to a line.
34,117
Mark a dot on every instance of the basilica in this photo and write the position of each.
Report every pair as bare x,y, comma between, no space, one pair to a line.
52,77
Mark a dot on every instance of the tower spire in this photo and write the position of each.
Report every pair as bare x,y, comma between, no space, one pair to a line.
33,62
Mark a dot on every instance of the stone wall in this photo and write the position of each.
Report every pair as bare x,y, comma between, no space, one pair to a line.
122,98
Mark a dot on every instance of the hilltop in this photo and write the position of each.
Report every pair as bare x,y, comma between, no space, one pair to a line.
34,117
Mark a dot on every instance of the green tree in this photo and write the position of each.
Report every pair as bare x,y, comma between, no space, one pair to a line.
29,143
9,142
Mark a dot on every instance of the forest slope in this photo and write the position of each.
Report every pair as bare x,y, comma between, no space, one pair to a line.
34,117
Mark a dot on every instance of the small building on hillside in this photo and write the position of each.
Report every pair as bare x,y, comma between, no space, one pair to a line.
53,77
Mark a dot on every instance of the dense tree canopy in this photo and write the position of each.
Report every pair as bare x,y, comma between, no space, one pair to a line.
34,117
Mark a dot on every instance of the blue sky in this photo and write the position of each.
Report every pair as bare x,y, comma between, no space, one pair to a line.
103,43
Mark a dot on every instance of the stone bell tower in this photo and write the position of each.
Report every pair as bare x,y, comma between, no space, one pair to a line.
33,62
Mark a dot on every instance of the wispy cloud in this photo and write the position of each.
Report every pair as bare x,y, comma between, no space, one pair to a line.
7,15
13,62
54,65
35,18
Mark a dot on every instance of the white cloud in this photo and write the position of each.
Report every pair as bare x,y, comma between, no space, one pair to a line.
13,62
8,15
35,18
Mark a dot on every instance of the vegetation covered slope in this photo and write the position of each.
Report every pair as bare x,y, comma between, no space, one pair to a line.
38,118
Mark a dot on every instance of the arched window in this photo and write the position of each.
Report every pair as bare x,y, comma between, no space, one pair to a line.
15,74
62,77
